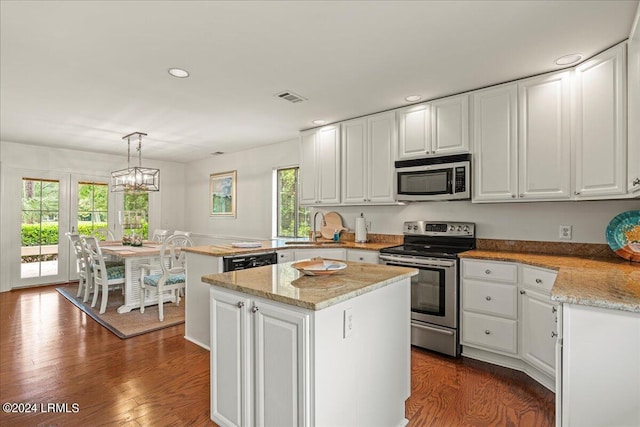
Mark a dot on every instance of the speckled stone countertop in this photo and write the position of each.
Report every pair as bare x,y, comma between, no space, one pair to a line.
283,283
274,245
612,283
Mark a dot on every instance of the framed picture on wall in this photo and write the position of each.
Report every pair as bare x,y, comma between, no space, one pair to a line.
222,194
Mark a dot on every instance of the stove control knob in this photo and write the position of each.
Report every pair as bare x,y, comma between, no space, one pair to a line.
459,228
465,228
415,228
452,228
409,227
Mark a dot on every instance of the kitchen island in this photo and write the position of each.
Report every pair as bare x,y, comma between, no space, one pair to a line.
289,349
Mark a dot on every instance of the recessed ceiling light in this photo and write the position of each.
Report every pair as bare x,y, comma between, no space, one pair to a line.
319,122
413,98
179,72
568,59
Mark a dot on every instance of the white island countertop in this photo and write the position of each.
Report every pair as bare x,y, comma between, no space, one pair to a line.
285,284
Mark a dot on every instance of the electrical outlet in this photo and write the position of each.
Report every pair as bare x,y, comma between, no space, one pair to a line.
348,323
565,232
367,225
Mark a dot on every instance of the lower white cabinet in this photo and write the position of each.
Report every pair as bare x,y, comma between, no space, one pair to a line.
284,256
508,317
259,362
372,257
331,253
600,367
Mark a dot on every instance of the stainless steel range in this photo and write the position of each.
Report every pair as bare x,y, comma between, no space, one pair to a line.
432,248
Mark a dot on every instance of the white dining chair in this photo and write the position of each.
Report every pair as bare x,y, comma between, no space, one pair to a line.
173,276
103,234
182,233
85,278
159,235
104,276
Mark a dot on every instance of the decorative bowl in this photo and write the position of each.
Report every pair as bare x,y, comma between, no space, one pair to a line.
319,266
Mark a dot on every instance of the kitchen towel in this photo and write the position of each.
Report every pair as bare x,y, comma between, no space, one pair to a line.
361,230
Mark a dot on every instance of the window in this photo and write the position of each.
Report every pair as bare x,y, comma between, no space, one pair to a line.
135,218
92,206
293,220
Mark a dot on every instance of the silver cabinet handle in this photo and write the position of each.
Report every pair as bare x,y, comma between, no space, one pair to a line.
487,271
554,309
487,332
240,304
554,334
636,182
577,193
488,298
522,292
521,195
513,196
538,281
254,309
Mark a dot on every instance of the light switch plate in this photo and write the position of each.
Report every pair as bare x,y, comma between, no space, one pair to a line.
347,323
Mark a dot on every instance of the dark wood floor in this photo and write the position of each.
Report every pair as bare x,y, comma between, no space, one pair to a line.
51,352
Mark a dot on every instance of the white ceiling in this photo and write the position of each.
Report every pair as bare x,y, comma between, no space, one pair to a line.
83,74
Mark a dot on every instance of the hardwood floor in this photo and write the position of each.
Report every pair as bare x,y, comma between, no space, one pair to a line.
51,352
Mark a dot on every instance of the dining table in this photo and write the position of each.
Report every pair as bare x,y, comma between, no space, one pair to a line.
134,257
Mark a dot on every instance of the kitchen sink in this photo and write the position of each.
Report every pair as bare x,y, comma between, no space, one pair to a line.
316,243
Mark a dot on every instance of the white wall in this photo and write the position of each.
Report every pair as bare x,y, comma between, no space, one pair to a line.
254,190
517,221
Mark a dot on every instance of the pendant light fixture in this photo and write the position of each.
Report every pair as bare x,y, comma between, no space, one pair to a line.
135,178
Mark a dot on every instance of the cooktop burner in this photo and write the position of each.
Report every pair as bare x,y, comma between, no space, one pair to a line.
435,239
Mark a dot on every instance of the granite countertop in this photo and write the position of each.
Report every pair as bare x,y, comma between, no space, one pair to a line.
274,245
612,283
283,283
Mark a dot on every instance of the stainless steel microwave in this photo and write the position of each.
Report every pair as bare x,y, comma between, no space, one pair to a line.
434,178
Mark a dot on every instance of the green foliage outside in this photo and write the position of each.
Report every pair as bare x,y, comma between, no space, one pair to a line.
293,220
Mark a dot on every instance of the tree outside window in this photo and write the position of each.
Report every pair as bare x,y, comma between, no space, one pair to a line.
92,206
136,205
293,219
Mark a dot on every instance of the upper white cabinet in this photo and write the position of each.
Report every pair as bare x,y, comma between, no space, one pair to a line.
438,127
600,125
633,80
320,165
495,139
368,152
544,137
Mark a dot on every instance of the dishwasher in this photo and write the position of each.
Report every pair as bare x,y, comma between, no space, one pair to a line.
244,261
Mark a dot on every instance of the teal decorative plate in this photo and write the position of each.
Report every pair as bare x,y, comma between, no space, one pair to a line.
623,235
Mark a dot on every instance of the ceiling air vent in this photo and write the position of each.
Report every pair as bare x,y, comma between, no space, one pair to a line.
290,96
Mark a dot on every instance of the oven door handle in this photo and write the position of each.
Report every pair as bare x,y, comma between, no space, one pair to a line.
418,261
427,328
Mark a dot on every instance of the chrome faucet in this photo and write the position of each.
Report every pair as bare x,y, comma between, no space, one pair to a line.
313,230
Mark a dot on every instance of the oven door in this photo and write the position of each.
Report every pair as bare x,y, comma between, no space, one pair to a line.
434,293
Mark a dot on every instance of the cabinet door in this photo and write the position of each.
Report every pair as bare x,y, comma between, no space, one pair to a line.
284,256
634,113
330,253
354,161
281,366
414,131
538,334
308,168
230,381
600,125
495,144
450,125
381,157
544,162
328,161
371,257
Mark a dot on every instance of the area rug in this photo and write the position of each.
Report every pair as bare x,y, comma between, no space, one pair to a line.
126,325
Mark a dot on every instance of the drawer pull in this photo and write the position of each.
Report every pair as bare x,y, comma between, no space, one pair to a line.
486,331
488,298
522,292
554,334
487,271
554,309
254,309
240,304
538,281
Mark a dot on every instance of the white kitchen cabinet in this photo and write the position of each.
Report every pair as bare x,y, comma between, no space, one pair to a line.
371,257
284,256
260,351
495,143
368,154
633,80
330,253
439,127
600,367
600,125
544,140
508,318
196,327
320,166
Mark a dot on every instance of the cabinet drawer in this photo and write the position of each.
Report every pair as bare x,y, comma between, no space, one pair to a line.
538,278
490,298
489,270
489,332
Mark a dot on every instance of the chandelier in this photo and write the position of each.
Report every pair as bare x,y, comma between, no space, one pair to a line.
135,178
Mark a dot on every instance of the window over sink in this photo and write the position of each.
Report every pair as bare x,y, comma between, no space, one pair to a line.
290,219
